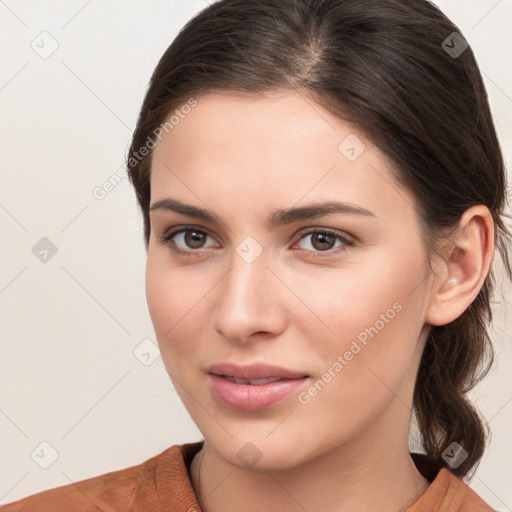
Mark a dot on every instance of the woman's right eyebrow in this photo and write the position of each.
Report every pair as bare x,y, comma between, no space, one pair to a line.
277,217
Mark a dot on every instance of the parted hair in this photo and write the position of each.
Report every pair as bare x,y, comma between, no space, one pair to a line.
397,71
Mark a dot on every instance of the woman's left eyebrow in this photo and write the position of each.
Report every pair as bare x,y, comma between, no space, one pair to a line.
277,217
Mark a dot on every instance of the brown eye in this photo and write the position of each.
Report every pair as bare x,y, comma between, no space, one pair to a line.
194,239
186,241
324,241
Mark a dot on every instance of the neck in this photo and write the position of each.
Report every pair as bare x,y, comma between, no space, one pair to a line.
371,473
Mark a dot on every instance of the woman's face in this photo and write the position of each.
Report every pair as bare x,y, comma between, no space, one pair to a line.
336,299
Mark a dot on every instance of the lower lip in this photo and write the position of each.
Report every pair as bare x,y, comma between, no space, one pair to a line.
249,397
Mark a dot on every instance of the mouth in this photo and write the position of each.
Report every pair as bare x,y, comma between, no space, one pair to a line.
254,371
253,387
252,382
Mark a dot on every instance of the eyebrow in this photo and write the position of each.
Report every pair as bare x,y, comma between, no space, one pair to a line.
277,217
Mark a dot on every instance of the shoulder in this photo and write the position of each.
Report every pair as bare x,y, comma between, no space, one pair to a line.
448,493
461,493
116,491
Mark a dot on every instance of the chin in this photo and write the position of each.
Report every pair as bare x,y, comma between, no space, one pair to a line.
257,453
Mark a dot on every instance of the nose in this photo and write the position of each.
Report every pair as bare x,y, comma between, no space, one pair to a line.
250,301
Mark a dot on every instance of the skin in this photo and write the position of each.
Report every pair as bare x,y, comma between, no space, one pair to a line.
241,158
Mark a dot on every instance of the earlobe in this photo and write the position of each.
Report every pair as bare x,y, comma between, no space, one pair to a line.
464,267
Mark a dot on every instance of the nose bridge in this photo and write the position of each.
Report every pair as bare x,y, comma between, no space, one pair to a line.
248,300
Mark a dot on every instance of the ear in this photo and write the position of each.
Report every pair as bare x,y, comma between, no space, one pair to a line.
463,266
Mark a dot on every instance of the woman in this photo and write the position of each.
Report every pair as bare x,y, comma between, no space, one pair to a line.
323,196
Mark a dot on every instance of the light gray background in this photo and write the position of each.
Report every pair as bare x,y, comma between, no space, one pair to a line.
69,326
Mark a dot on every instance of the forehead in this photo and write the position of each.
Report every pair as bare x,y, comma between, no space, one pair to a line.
276,148
227,125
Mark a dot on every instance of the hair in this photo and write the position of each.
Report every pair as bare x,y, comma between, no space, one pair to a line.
382,65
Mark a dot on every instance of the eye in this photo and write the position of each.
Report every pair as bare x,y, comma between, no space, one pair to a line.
185,240
323,240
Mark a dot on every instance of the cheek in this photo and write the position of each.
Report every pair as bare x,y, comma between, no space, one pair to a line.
370,319
363,369
344,303
176,306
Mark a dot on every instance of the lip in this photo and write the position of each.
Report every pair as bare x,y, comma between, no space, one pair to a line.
253,397
254,371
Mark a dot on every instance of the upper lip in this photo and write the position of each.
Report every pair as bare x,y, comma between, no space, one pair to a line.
254,371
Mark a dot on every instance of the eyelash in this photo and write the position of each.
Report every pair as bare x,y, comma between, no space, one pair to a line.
167,240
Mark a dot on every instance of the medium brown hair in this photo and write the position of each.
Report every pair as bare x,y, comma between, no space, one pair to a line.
381,65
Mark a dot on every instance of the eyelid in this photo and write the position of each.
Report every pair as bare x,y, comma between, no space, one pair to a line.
335,232
347,239
303,231
169,234
180,229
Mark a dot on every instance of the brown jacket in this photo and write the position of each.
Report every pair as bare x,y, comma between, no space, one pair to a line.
162,484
